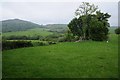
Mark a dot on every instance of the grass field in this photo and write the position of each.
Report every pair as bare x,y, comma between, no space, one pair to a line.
43,31
112,29
30,32
87,59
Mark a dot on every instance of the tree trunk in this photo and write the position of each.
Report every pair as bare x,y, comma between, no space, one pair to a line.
84,36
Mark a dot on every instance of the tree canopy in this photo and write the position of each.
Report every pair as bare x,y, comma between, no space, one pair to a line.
90,23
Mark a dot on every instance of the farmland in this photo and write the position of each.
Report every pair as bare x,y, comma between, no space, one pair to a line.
86,59
30,32
59,40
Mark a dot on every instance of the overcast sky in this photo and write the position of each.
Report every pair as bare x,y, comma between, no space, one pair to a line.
45,12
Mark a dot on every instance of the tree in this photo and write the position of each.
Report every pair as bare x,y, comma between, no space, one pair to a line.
117,31
88,21
98,32
76,28
103,17
85,10
99,26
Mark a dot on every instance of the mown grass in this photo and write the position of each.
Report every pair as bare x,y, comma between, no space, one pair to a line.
30,32
87,59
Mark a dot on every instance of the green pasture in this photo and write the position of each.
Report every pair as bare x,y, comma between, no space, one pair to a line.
30,32
86,59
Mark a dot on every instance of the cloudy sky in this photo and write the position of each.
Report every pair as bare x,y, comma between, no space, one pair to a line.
44,12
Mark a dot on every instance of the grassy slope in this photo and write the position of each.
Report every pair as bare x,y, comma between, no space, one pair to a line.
30,32
39,31
12,25
83,59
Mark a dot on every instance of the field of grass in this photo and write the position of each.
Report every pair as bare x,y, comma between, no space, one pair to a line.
87,59
30,32
44,31
112,30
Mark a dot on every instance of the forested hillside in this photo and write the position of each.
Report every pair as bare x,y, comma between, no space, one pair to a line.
13,25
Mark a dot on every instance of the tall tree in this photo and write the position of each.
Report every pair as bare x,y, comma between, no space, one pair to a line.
90,23
85,10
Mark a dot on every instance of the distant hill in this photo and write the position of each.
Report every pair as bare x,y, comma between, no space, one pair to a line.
56,25
13,25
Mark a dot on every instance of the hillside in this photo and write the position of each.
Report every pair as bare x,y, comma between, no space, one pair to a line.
25,28
57,27
13,25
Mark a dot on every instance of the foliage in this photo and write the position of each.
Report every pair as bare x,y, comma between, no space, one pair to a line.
15,44
50,42
117,31
38,43
75,26
68,37
98,31
85,9
88,25
99,26
23,37
54,37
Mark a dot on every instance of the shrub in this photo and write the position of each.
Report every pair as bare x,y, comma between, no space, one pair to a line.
50,42
6,45
54,37
39,44
62,39
13,37
98,32
117,31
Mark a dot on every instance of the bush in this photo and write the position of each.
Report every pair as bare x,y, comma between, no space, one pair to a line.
13,37
62,39
50,42
117,31
6,45
54,37
39,44
98,32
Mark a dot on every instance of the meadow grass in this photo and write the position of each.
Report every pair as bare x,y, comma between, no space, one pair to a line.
112,29
42,31
30,32
87,59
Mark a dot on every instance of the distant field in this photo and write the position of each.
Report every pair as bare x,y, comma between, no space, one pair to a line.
112,29
57,27
45,31
87,59
30,32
